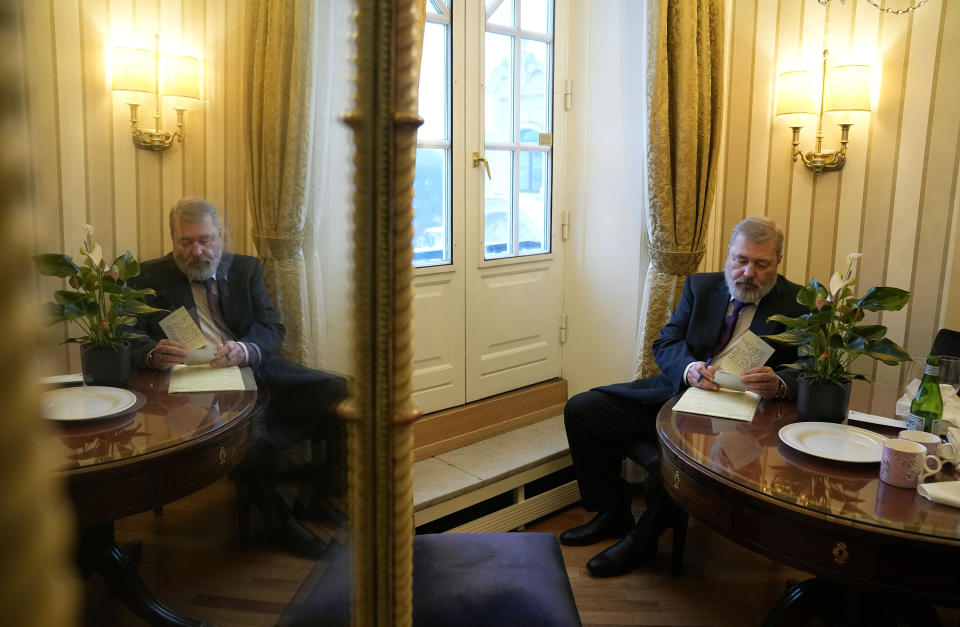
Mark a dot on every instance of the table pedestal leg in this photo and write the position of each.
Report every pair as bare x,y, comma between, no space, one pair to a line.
833,604
100,553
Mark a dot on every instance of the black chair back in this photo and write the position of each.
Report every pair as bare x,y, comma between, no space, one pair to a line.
947,342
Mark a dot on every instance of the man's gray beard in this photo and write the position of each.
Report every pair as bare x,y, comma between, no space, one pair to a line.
197,273
747,296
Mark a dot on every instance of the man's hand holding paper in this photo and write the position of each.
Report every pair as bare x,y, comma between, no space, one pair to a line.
185,344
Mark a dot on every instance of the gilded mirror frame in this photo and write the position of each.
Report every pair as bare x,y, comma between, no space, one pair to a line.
380,410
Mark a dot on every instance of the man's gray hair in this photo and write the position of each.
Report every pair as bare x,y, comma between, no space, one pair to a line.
758,229
192,209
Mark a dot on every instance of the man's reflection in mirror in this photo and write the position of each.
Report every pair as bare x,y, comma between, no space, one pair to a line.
226,297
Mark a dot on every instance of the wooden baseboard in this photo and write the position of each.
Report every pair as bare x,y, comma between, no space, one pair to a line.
446,430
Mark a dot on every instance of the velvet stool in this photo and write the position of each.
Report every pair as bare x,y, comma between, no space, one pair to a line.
468,580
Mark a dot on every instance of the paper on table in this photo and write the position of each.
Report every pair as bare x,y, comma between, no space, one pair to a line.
721,403
204,379
180,327
943,492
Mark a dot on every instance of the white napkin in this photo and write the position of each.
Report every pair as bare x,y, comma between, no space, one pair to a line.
951,404
943,492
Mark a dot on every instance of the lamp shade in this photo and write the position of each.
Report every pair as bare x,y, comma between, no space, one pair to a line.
848,88
796,93
183,77
133,70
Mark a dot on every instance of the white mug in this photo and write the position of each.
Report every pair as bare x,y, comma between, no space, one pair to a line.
929,440
905,463
949,452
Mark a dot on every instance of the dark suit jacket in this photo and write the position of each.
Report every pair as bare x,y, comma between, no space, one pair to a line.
694,329
244,299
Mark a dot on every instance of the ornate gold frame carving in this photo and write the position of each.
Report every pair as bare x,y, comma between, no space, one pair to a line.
380,410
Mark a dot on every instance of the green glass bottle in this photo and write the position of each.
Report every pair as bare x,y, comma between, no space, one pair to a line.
927,406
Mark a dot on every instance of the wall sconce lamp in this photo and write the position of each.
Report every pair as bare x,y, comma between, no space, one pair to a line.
844,88
138,70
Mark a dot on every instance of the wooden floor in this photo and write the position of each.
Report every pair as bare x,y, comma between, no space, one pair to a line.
191,562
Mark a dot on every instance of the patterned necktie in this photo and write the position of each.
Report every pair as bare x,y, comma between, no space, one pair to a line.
728,325
213,302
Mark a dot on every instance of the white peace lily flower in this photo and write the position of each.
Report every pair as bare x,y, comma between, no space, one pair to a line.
837,282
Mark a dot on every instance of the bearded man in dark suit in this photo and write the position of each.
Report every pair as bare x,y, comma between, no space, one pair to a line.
601,422
227,298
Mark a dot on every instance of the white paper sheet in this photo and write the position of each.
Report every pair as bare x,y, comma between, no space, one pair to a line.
747,352
205,379
180,327
722,403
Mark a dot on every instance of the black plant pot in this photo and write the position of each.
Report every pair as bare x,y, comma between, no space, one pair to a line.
105,366
822,401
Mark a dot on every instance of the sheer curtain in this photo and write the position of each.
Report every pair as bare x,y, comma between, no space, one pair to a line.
327,198
606,254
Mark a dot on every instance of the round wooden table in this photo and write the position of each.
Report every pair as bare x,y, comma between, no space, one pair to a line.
836,520
174,445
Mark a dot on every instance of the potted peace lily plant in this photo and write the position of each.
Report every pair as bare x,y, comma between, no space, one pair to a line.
831,337
101,304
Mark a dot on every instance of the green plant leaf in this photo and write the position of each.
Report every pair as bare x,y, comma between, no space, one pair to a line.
870,331
127,266
130,293
787,321
55,264
818,317
887,351
884,299
790,337
110,286
137,308
807,296
67,296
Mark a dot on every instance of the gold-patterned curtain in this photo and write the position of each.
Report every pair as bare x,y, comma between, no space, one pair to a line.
685,105
276,93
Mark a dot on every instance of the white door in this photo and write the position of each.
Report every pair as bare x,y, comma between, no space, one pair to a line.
487,245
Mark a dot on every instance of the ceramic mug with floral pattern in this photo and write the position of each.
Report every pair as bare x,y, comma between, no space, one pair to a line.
905,463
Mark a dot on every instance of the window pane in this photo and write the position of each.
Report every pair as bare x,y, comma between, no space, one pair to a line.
434,90
503,15
498,91
533,236
497,205
431,233
535,16
534,86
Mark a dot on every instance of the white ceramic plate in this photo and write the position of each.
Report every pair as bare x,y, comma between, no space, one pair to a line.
86,403
838,442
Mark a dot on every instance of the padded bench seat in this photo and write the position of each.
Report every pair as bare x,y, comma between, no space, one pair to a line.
468,580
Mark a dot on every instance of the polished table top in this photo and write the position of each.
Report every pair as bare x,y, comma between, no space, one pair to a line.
165,421
751,456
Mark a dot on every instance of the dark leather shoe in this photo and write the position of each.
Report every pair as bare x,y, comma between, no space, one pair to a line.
299,540
626,555
603,526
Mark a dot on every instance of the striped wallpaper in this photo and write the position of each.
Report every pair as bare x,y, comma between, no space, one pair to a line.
84,166
896,199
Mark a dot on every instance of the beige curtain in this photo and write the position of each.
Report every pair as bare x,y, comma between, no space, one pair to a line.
277,98
685,99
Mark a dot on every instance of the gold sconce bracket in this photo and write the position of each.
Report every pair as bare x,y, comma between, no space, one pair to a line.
155,140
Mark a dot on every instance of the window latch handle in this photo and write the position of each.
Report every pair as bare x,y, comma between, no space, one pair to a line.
477,160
